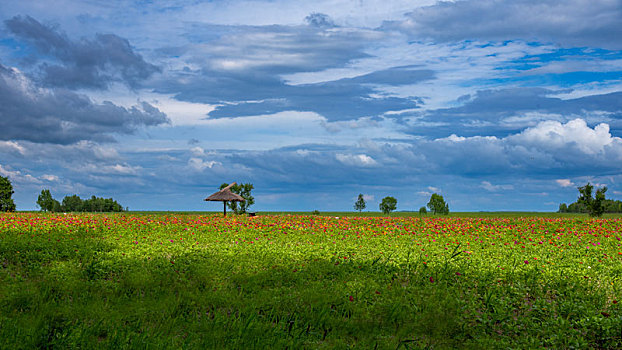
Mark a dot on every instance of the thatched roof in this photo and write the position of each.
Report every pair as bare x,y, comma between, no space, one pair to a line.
225,195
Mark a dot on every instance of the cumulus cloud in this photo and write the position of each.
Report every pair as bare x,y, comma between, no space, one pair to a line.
553,135
362,160
548,147
564,182
201,164
28,112
573,23
84,63
501,112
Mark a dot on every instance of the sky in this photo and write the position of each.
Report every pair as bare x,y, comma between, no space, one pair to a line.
494,104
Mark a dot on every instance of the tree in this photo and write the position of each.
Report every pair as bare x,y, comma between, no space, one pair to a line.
360,203
72,203
563,208
595,205
437,204
244,190
6,191
45,200
423,211
56,207
388,205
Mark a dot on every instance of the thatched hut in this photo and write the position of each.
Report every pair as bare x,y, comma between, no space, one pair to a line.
225,195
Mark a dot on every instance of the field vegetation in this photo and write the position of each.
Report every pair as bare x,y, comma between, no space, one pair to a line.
301,281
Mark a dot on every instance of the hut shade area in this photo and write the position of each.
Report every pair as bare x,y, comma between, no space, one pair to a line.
225,195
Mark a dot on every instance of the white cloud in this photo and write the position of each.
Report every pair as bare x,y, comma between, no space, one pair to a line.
197,151
48,177
361,160
494,188
553,135
17,176
564,182
9,146
200,164
114,169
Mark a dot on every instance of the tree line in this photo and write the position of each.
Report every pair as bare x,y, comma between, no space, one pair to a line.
594,204
388,204
74,203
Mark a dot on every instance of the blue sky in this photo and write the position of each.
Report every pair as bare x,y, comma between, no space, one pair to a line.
496,105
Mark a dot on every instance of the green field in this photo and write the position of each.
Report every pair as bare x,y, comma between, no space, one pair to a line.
174,280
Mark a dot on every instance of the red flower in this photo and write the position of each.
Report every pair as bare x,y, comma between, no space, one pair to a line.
351,298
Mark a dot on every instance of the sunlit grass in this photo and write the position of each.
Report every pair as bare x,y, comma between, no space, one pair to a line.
174,281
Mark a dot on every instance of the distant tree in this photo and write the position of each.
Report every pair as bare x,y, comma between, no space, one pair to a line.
6,191
437,204
243,190
72,203
563,208
360,203
595,204
56,206
45,200
97,204
388,205
423,211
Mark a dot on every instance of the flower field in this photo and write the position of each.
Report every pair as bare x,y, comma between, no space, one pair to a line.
189,281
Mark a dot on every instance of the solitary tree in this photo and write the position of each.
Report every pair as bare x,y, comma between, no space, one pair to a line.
437,204
388,205
423,211
45,200
6,191
595,205
243,190
360,203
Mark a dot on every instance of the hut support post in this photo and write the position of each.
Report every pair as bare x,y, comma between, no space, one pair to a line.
224,208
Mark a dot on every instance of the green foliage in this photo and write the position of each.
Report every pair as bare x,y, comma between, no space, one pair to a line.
45,201
563,208
594,205
76,204
56,206
360,203
437,204
73,203
243,190
6,192
96,204
423,211
388,205
315,213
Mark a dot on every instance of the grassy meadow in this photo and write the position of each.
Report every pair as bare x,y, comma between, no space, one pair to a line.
334,281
